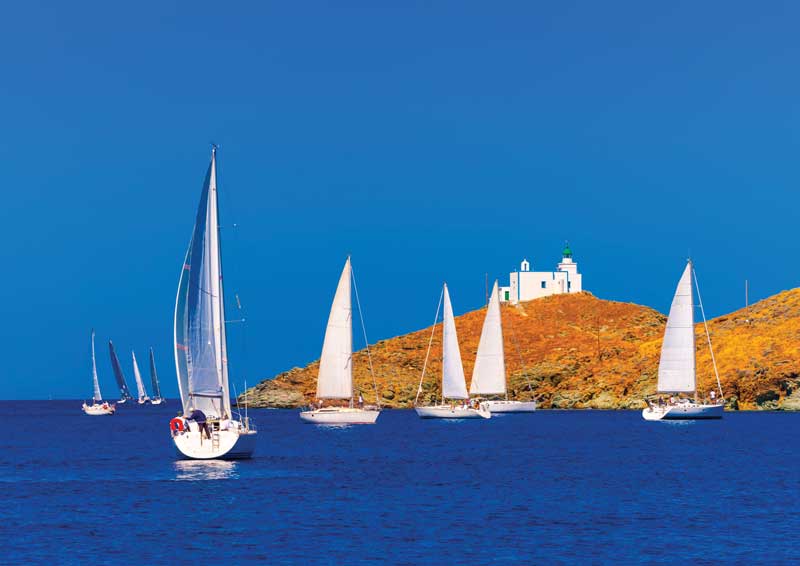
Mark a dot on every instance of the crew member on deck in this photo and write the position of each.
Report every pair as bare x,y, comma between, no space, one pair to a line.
199,417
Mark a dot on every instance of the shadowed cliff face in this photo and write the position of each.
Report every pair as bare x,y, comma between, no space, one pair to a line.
577,351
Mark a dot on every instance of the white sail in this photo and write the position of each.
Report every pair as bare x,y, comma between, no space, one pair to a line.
489,374
138,376
676,370
200,346
454,385
97,397
335,379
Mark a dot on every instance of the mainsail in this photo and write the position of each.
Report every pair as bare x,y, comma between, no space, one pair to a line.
489,374
200,348
123,387
676,371
453,383
335,379
97,397
154,376
138,376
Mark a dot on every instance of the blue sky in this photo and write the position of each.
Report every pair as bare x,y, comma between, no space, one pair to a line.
432,141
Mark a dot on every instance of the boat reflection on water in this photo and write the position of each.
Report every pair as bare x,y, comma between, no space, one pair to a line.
204,470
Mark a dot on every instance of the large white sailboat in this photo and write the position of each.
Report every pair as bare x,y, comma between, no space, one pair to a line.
489,373
156,399
335,379
98,406
143,398
677,371
201,359
454,385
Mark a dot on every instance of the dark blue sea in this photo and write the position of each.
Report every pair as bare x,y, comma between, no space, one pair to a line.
543,488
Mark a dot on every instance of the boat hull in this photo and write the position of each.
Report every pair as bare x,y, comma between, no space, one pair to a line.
683,412
510,406
157,401
450,412
228,445
98,410
334,416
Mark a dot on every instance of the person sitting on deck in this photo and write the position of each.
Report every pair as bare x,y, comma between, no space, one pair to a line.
199,417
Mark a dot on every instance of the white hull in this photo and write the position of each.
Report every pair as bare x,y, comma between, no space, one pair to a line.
450,412
157,401
223,444
96,410
510,406
336,415
143,401
683,411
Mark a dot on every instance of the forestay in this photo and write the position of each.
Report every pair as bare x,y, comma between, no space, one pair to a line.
676,371
335,379
200,347
489,374
453,383
97,397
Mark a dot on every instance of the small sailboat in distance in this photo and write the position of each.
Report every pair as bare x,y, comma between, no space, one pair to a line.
120,377
209,430
454,385
98,406
677,371
489,373
156,399
335,379
143,398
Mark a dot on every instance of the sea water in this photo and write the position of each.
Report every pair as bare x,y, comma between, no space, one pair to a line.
541,488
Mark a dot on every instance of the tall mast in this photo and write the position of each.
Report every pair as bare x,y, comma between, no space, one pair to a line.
694,338
217,294
97,395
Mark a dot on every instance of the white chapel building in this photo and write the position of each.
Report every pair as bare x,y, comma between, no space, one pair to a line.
526,285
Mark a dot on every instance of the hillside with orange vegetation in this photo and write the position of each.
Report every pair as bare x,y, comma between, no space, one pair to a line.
578,351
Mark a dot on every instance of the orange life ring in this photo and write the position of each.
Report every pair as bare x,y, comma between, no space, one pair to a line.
176,425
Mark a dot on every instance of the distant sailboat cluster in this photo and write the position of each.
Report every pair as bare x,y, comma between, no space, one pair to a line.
100,407
489,380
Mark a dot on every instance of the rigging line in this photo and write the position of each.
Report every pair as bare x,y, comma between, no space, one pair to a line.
234,268
364,329
236,396
519,353
708,335
430,343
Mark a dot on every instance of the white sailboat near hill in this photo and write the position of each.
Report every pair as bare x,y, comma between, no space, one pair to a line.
677,371
335,379
125,394
98,406
143,398
454,384
201,358
489,373
156,399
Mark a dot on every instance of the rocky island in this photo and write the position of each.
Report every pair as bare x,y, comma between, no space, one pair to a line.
575,351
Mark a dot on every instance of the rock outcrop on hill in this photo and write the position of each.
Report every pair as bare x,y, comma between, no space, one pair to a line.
578,352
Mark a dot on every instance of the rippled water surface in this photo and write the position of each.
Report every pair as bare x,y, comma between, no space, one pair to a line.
548,487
